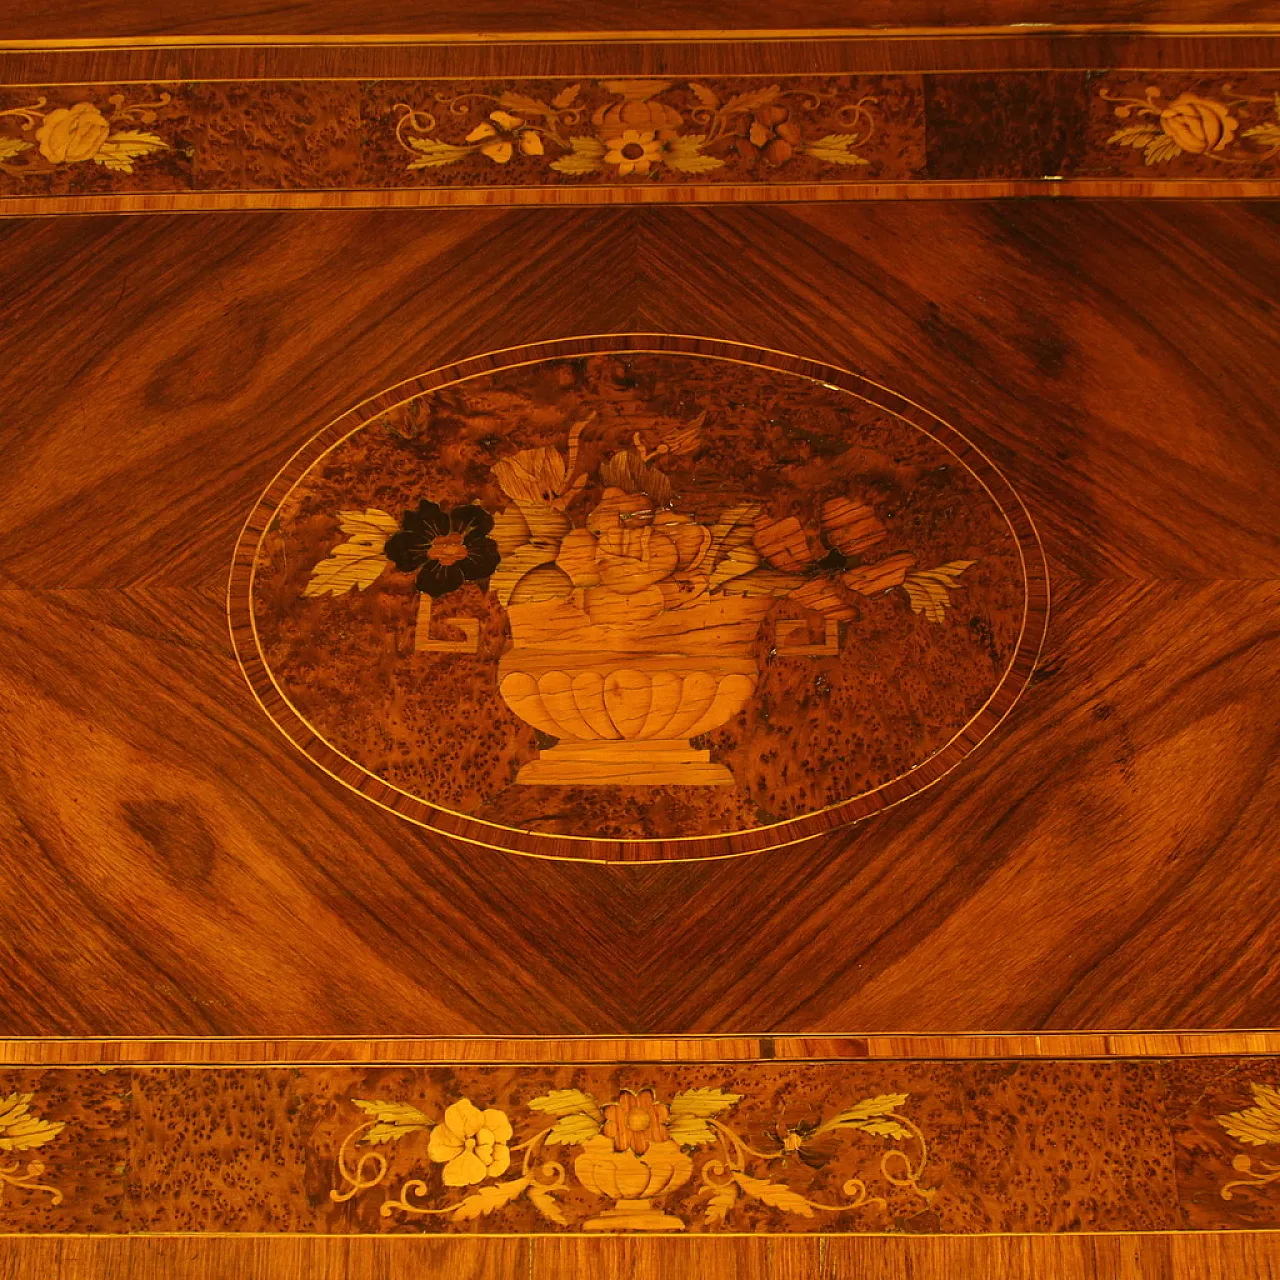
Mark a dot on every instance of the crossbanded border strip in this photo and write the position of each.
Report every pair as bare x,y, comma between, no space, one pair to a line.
74,1051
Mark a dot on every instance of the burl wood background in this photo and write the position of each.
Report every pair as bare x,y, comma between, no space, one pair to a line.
174,867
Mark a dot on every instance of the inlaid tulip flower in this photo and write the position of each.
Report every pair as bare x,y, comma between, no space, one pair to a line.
444,548
471,1144
541,476
544,479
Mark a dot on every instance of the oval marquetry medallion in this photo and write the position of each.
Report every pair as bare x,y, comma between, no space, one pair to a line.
638,597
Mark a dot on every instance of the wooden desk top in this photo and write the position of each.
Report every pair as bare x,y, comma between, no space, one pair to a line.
649,450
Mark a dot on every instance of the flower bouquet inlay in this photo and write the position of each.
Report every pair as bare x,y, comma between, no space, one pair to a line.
634,1154
637,595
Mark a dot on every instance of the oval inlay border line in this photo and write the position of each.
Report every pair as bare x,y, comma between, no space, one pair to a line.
578,847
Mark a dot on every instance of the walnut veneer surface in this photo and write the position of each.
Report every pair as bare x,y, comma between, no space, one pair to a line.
1015,1024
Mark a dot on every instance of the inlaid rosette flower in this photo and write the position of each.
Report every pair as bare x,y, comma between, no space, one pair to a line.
471,1144
444,548
634,151
635,1121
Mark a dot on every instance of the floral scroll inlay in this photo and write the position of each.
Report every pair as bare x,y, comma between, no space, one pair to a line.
79,133
636,1150
1197,125
639,132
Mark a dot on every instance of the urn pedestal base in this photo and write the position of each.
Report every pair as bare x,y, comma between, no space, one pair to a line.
633,1215
620,763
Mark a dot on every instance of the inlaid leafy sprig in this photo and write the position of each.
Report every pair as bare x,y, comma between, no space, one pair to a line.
359,560
22,1130
1258,1126
1267,134
726,1180
762,126
391,1120
872,1115
579,1117
928,591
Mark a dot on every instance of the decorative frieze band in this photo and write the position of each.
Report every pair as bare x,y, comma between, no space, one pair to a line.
689,1146
582,139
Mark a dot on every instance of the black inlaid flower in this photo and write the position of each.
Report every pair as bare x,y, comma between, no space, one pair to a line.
444,548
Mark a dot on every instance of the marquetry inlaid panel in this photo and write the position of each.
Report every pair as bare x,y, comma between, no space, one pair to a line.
639,597
637,118
673,1138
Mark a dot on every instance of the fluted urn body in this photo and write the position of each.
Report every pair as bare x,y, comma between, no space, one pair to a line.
625,687
633,1181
